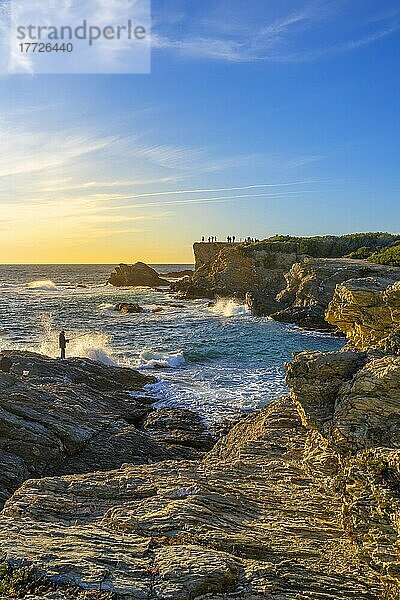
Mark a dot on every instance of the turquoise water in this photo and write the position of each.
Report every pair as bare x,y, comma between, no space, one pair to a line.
217,360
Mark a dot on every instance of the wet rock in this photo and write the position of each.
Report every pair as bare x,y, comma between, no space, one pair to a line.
128,307
179,274
138,275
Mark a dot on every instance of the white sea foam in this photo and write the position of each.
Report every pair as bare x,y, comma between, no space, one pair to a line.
41,284
230,308
107,306
149,359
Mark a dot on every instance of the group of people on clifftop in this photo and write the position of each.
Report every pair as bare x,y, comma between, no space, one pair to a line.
231,239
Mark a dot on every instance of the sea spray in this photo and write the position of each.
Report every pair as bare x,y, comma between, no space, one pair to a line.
230,308
93,345
42,285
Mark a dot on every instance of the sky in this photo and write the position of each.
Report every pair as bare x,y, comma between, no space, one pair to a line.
259,117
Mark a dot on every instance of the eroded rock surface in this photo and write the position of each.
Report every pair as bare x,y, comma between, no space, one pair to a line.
311,284
247,522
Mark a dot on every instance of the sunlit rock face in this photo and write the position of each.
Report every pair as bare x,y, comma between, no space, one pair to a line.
368,312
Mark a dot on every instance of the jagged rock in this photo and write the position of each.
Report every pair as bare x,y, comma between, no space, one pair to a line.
367,411
128,307
311,283
138,275
371,512
247,522
368,312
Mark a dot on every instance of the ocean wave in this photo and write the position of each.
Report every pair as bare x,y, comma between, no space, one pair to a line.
149,359
230,308
41,284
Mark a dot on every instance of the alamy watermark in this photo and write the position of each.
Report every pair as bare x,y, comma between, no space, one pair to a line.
78,36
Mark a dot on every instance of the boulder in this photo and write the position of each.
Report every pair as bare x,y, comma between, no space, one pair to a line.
137,275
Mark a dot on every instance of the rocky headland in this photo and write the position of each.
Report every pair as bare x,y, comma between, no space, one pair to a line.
290,279
299,500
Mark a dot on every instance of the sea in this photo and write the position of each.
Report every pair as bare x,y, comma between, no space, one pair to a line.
214,358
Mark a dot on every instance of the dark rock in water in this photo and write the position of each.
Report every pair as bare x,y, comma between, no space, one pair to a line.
128,307
179,274
260,305
308,317
138,274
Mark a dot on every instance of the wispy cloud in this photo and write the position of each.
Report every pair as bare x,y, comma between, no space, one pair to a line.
298,36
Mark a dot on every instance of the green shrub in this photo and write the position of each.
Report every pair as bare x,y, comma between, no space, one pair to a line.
389,256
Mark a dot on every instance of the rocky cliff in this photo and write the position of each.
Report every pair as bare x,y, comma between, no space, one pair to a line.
277,278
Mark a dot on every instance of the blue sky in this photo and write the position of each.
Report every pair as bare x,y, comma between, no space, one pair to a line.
258,117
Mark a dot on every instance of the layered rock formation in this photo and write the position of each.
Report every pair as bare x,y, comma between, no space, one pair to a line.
368,312
248,522
311,283
137,275
298,500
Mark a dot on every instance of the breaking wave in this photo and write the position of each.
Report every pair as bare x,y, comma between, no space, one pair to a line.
152,360
41,284
230,308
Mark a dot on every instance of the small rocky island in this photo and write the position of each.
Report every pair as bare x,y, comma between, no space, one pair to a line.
105,496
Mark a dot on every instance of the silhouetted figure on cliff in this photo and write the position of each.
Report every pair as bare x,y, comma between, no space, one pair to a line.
5,364
203,239
233,238
63,344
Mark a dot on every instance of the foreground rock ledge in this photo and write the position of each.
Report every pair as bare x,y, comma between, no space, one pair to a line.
76,416
247,522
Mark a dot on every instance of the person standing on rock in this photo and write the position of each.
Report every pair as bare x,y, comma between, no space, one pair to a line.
63,344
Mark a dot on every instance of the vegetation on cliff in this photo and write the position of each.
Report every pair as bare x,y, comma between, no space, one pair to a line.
389,256
324,246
